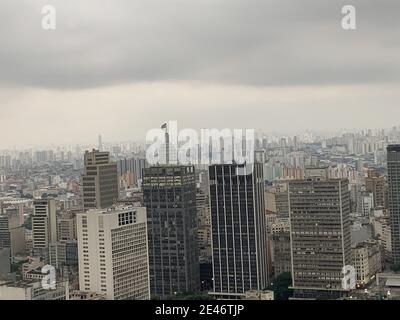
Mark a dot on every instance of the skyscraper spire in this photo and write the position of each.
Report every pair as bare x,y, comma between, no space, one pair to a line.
100,143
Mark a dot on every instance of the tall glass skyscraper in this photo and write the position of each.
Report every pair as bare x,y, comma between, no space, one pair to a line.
393,167
239,243
169,194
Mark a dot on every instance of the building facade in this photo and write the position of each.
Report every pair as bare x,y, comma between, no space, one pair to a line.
367,261
113,253
319,211
239,234
44,226
99,180
393,167
169,194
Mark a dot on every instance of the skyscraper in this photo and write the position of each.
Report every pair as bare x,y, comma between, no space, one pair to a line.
239,235
99,180
169,194
44,226
375,184
100,143
393,167
319,211
12,233
133,167
113,252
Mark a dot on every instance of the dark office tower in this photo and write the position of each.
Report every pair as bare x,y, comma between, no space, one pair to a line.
99,180
319,212
238,227
393,167
169,194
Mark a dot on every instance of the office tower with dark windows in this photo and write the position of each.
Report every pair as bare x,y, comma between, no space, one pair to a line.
99,180
238,227
44,226
393,167
319,212
169,194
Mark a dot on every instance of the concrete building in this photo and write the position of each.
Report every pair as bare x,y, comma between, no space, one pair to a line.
4,261
375,184
382,231
133,168
12,234
393,167
204,226
99,180
63,253
239,233
33,263
367,262
276,200
319,210
113,252
32,290
66,227
259,295
366,204
270,201
281,254
169,194
83,295
44,226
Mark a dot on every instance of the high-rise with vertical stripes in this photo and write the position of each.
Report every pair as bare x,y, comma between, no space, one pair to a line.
393,167
169,194
239,243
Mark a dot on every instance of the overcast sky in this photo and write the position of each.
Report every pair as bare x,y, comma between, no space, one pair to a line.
122,67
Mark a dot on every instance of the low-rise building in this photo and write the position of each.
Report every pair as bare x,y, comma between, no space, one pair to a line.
366,261
32,290
259,295
84,295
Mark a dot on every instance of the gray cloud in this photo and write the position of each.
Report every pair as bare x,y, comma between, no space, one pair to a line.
122,67
246,42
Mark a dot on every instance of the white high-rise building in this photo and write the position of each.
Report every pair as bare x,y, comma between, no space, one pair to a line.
44,226
113,252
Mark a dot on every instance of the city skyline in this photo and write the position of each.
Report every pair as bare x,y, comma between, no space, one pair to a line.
273,135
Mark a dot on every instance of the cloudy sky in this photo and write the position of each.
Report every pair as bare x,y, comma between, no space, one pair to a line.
122,67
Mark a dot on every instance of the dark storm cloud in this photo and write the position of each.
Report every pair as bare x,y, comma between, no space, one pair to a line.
247,42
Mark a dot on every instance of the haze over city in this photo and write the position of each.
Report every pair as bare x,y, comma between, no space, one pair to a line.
125,66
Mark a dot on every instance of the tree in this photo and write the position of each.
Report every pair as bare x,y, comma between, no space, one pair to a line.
280,286
191,296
